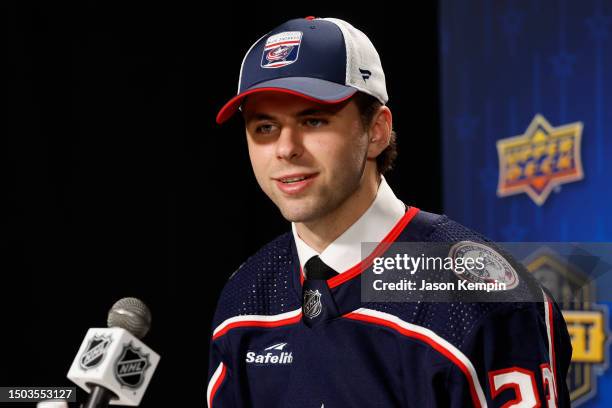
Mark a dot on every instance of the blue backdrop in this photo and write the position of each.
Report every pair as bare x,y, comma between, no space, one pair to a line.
503,63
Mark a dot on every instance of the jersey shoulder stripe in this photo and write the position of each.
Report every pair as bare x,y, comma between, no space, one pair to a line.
282,319
432,339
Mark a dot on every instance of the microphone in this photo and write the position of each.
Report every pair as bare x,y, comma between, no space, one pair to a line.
113,365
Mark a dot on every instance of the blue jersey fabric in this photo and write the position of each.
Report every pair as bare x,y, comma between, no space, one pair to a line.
367,354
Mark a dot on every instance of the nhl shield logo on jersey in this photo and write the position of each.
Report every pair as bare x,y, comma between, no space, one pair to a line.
281,49
496,268
95,351
539,160
312,303
131,365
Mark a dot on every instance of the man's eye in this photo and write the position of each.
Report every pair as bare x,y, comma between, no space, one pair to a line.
313,122
264,129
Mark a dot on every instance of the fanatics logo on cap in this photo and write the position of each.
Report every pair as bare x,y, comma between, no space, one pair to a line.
281,49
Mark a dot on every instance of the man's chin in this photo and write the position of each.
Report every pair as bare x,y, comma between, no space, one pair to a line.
301,214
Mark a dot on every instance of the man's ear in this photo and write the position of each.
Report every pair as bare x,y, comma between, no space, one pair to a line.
380,131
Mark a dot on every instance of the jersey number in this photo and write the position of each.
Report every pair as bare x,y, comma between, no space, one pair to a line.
523,383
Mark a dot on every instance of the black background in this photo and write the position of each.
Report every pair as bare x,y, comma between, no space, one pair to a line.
121,184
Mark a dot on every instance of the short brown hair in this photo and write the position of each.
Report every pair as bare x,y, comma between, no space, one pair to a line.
368,106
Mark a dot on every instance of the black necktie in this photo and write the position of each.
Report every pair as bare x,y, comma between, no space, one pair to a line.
315,268
317,304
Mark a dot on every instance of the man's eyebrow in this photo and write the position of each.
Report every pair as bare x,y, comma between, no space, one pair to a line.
258,116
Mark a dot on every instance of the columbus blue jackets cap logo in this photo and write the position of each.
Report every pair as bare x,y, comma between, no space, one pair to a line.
539,160
281,49
131,365
95,351
496,267
312,303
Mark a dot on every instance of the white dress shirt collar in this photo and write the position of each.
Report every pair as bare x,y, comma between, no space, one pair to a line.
373,225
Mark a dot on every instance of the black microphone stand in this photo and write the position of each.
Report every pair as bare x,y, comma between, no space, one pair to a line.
99,397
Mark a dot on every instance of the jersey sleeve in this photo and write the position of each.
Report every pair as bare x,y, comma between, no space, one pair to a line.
520,356
218,393
220,379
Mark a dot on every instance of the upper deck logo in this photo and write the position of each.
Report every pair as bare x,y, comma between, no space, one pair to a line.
312,303
281,49
95,351
540,159
130,367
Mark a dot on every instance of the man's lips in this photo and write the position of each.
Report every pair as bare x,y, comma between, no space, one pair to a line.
295,183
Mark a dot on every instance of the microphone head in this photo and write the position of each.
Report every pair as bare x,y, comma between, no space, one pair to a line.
132,315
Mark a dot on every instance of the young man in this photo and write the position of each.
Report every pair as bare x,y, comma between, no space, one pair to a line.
291,329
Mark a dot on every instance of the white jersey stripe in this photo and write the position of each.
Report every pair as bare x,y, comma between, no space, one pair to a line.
215,380
549,334
256,320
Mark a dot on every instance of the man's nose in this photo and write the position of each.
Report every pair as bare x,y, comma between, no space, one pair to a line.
289,143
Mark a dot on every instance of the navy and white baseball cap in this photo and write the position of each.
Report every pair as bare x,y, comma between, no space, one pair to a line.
323,59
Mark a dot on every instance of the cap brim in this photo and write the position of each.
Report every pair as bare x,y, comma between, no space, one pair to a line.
317,90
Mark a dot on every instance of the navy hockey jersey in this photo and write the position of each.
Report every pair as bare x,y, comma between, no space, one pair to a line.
380,354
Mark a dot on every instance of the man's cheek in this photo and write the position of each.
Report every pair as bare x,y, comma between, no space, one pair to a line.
261,179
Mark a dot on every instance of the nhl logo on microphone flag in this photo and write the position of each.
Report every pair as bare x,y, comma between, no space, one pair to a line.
131,366
95,352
